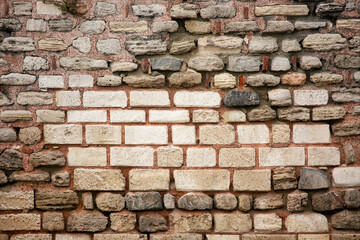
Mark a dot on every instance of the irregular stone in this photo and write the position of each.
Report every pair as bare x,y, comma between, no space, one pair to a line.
53,221
123,222
266,202
310,97
326,78
329,9
346,129
60,179
169,201
88,200
4,100
324,42
166,26
181,47
17,44
152,224
151,10
328,113
166,64
313,179
195,201
54,200
184,79
123,66
103,9
3,178
232,223
146,45
15,115
282,10
344,236
346,219
16,200
241,26
219,45
354,44
302,25
11,160
92,27
208,63
191,223
109,81
82,63
30,135
280,64
143,201
328,201
36,25
16,79
267,222
347,61
349,152
260,80
281,133
20,221
10,25
280,97
352,24
3,62
306,222
110,202
357,76
352,198
245,202
279,27
262,114
293,78
225,201
198,26
290,45
109,46
244,64
35,176
61,25
86,221
284,178
218,11
35,64
183,10
241,98
346,177
35,98
310,63
7,135
82,44
297,201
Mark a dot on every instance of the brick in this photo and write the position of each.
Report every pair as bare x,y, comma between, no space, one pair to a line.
222,237
282,10
104,99
80,81
149,179
131,116
292,156
319,133
268,237
152,135
252,180
234,116
36,25
267,222
123,222
310,97
281,133
63,134
68,98
205,116
21,221
202,180
197,99
49,81
86,115
237,157
16,200
47,9
201,157
50,116
169,116
132,156
185,222
232,223
323,156
128,27
217,134
123,236
253,134
183,135
34,98
314,237
170,157
312,222
90,156
346,177
103,134
98,180
67,236
149,99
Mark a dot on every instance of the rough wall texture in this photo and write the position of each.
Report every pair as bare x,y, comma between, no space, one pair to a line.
223,119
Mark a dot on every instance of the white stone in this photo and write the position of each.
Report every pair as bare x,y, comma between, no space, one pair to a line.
306,222
50,116
131,116
201,157
197,99
202,180
224,80
132,156
253,134
105,99
103,134
36,25
183,135
35,64
319,133
77,81
68,98
169,116
346,177
75,236
280,64
152,135
86,115
170,157
149,179
98,180
31,237
205,116
92,26
267,222
237,157
323,156
82,44
109,46
149,99
91,156
47,8
292,156
234,116
290,45
222,237
123,66
311,97
280,97
63,134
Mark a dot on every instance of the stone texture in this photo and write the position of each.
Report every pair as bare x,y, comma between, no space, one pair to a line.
302,222
34,98
92,26
152,224
7,135
346,129
166,64
218,11
271,201
103,9
202,180
326,78
263,45
11,160
82,44
224,80
61,25
284,178
191,223
145,45
108,46
267,222
283,10
151,135
15,115
197,26
225,201
253,134
17,44
4,100
16,200
169,201
63,134
60,179
53,221
98,180
310,62
106,236
123,66
293,78
237,157
346,220
268,237
252,180
183,10
195,201
54,200
149,99
36,25
208,63
86,221
197,99
294,114
292,156
52,45
351,198
243,64
20,221
22,8
319,133
234,116
232,223
201,157
346,177
105,99
122,222
349,152
3,178
35,64
82,64
328,113
290,45
261,114
327,201
149,180
180,47
134,156
110,202
166,26
205,116
245,202
280,97
311,179
151,10
297,201
143,201
241,98
347,61
241,26
260,80
34,176
329,9
170,157
210,134
324,42
109,81
323,156
280,64
353,24
17,79
30,135
50,116
279,26
184,79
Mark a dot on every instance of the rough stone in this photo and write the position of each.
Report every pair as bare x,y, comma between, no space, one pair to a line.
346,219
152,224
202,180
197,26
110,202
293,78
149,179
35,63
170,157
143,201
237,157
123,66
98,180
11,160
241,26
310,62
245,202
183,10
232,223
16,200
63,134
82,44
328,201
311,97
218,11
329,9
191,223
7,135
267,222
82,63
352,198
17,44
252,180
22,8
151,10
34,176
267,202
260,80
324,42
86,221
306,222
17,79
15,115
294,114
346,177
92,26
109,81
225,201
280,64
184,79
290,45
280,97
166,26
61,25
34,98
3,178
326,78
30,135
303,25
244,64
311,179
349,152
282,10
281,133
4,100
195,201
284,178
109,46
36,25
166,64
234,116
53,221
103,9
352,24
263,45
122,222
279,27
169,201
146,45
268,237
297,201
60,179
346,129
180,47
347,61
262,114
208,63
224,80
205,116
20,221
55,200
328,113
241,98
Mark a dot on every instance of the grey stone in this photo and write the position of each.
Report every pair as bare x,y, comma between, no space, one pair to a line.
183,10
241,26
346,219
352,198
284,178
36,25
7,135
10,25
342,94
169,201
60,179
3,62
180,47
53,221
280,97
218,11
261,114
241,98
301,25
55,200
245,202
166,64
263,45
155,80
280,64
151,10
311,179
349,152
3,178
279,27
88,201
347,61
346,129
244,64
269,201
109,81
109,46
82,44
4,100
350,6
328,113
329,9
86,221
225,201
290,45
310,62
110,202
11,160
22,8
324,42
50,116
82,63
35,63
143,201
30,135
92,27
146,45
152,224
195,201
184,79
260,80
357,76
47,159
206,63
354,44
166,26
34,176
294,114
297,201
34,98
103,9
17,79
61,25
15,115
328,201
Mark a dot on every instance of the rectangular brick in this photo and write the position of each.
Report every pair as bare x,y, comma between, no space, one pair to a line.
292,156
68,98
75,236
222,237
31,237
170,157
98,180
192,223
323,156
201,157
21,221
311,97
319,133
169,116
130,116
86,115
237,157
63,134
104,99
91,156
217,134
176,236
253,134
202,180
252,180
149,99
51,81
268,237
103,134
197,99
80,81
152,135
346,177
50,116
119,236
205,116
232,223
183,135
16,200
282,10
132,156
149,179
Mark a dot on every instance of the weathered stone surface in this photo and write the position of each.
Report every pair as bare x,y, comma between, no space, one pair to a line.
208,63
328,201
342,94
237,157
180,47
225,201
53,221
53,200
232,223
86,221
293,78
252,180
125,236
47,159
346,177
17,44
352,24
34,176
283,10
268,237
152,224
110,46
35,64
244,64
82,63
310,62
326,78
271,201
197,26
146,45
329,9
177,236
123,66
234,116
109,81
151,10
245,202
349,152
261,114
98,180
169,201
310,97
280,64
346,129
297,201
181,222
224,80
324,42
302,25
219,45
280,97
11,160
82,44
63,134
306,222
195,201
263,45
108,202
92,26
216,134
17,79
290,45
60,179
352,198
16,200
4,100
328,113
294,114
281,133
279,26
30,135
313,179
149,179
20,221
267,222
184,79
3,178
36,25
241,26
319,133
123,222
347,61
260,80
346,219
344,236
183,10
218,11
7,135
34,98
253,134
166,64
143,201
103,9
202,180
15,115
166,26
284,178
241,98
61,25
10,24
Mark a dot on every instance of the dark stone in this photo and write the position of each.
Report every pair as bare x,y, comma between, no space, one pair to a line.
284,178
152,224
329,9
270,201
346,219
225,201
195,201
166,64
47,159
347,61
349,152
328,201
313,179
143,201
53,200
34,176
241,98
10,25
86,221
3,178
60,179
261,114
347,129
60,25
11,160
352,198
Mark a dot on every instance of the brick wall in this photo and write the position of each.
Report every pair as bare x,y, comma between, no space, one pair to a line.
171,119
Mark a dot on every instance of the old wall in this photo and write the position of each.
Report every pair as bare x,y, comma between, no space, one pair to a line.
171,119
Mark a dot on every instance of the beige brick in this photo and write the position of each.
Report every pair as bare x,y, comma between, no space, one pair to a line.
237,157
31,237
252,180
267,222
149,99
132,156
311,97
123,222
103,134
222,237
205,116
283,10
268,237
51,81
281,133
68,98
234,116
123,236
128,27
63,134
21,221
169,116
152,135
197,99
105,99
185,222
149,179
50,116
176,236
306,222
86,116
201,157
292,156
346,177
344,236
253,134
75,236
319,133
16,200
323,156
98,180
217,134
47,9
183,135
202,180
91,156
77,81
130,116
314,237
170,157
232,223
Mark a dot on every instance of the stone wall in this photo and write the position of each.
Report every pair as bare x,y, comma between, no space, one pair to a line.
171,119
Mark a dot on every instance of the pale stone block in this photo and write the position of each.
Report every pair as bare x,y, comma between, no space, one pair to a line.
68,98
281,133
237,157
169,116
323,156
191,223
86,115
63,134
47,8
314,237
19,222
197,99
51,81
311,97
201,157
170,157
149,99
122,236
319,133
232,223
98,180
80,81
346,177
92,156
149,179
152,135
75,236
217,134
103,134
131,116
252,180
282,10
205,116
292,156
202,180
31,237
222,237
183,135
253,134
16,200
234,116
105,99
267,222
50,116
268,237
306,222
132,156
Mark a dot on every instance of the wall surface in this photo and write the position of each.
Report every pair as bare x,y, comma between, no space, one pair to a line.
173,120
